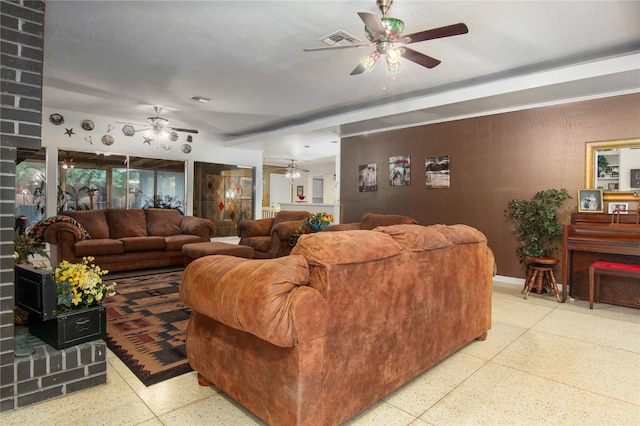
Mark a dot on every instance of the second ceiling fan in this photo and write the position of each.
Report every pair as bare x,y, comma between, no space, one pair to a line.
385,34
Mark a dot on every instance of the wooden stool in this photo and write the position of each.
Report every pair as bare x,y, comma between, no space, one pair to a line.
540,274
612,269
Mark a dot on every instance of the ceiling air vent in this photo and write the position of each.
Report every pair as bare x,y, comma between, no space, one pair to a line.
340,38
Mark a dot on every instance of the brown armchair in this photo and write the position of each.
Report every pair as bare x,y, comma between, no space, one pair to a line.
372,220
270,237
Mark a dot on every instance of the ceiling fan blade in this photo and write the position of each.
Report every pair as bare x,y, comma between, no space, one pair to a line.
346,46
420,58
450,30
358,70
374,24
178,129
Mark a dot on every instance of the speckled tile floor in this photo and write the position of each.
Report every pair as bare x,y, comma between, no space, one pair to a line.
543,363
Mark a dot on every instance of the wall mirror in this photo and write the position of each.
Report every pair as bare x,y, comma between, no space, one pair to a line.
614,167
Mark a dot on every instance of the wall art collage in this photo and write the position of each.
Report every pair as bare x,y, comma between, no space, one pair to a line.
436,171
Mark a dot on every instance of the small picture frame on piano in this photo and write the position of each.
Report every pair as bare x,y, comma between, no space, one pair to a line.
590,201
620,208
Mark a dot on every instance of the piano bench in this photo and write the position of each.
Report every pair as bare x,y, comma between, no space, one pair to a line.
597,269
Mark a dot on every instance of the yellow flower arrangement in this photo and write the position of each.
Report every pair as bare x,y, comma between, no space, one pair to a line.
79,285
316,222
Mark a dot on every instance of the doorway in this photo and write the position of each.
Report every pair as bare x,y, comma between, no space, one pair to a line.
279,190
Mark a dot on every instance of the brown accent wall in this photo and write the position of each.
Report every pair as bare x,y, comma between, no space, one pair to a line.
492,160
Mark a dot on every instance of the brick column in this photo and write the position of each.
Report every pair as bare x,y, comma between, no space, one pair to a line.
22,27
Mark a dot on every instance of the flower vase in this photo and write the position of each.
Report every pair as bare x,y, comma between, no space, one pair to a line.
317,227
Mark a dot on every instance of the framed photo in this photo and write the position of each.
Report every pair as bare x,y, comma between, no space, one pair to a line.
299,190
436,171
621,208
368,177
590,201
635,178
400,170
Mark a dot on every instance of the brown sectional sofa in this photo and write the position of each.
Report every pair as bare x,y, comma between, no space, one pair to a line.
372,220
126,239
317,336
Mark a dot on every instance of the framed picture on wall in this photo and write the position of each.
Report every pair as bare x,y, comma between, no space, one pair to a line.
436,171
299,190
635,179
590,201
368,177
400,170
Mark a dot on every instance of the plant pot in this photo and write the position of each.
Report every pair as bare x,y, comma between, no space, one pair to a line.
71,328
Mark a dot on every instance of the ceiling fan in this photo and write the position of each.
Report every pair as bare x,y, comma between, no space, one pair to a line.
292,171
156,126
385,34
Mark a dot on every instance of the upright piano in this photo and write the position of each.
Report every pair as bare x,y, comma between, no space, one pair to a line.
595,236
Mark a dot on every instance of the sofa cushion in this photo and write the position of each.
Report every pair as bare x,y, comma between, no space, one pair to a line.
415,237
175,242
373,220
163,222
142,243
93,221
98,247
261,243
126,223
342,248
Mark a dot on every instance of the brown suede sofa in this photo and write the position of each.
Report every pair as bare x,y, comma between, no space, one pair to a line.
372,220
317,336
126,239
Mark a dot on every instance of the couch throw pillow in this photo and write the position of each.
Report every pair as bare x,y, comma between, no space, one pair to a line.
163,222
94,221
127,223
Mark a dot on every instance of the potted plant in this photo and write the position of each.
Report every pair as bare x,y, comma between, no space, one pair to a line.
316,222
535,222
25,247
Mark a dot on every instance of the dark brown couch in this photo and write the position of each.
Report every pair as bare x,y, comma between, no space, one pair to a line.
317,336
127,239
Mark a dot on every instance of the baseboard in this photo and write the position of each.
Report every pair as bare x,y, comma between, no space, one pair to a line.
515,281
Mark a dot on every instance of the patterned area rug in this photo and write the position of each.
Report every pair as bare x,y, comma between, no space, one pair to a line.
147,324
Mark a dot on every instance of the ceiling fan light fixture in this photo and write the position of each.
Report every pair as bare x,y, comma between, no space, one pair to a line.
370,60
292,174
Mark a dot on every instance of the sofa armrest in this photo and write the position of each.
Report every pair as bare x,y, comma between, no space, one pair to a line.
204,228
284,230
267,298
342,227
58,232
255,228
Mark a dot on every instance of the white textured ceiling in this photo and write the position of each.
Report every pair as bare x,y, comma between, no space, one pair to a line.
119,58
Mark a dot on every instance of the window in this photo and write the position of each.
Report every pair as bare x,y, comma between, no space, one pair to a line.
30,190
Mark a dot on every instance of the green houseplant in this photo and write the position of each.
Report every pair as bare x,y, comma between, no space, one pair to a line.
535,222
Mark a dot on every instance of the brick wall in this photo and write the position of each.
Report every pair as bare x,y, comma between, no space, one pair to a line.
47,372
21,49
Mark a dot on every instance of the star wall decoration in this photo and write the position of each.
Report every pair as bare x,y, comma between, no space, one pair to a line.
69,131
147,140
